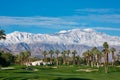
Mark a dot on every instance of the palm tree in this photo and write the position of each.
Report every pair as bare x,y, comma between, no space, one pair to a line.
91,57
17,59
51,52
86,55
44,53
27,55
57,52
2,34
106,51
113,56
97,55
21,56
64,57
74,53
118,56
78,59
68,52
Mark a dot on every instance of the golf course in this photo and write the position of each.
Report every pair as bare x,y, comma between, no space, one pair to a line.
58,73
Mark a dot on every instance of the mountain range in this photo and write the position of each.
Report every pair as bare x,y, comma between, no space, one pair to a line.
78,39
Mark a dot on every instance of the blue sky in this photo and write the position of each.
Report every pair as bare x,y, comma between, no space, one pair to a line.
50,16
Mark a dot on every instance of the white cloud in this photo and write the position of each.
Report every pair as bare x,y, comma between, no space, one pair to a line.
36,21
107,28
80,21
112,18
98,10
106,15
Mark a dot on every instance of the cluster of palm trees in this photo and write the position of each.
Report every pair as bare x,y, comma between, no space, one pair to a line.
106,50
23,57
93,57
61,57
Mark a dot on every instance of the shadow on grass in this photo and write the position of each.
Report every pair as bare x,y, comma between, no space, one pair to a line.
15,78
24,72
20,78
71,79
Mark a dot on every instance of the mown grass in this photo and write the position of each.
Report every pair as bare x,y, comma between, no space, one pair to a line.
60,73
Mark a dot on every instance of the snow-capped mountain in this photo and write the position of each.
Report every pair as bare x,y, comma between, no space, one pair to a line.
75,39
86,37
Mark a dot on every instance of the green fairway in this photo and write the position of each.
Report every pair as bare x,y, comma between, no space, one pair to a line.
60,73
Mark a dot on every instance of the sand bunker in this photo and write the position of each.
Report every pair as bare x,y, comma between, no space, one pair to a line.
87,70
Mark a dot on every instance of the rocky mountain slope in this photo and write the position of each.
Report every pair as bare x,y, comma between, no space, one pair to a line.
80,40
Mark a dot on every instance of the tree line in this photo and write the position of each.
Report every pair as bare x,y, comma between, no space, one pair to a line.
92,57
61,58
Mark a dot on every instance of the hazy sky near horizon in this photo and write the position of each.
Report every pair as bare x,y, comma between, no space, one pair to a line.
50,16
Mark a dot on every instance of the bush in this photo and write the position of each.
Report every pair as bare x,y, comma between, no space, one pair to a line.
117,63
6,59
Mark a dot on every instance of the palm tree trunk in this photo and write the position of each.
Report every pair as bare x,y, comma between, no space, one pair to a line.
88,61
92,60
57,61
113,58
98,60
64,60
68,60
106,63
44,58
73,59
51,58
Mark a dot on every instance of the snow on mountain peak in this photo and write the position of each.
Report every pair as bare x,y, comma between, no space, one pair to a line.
63,31
66,31
74,36
88,30
77,30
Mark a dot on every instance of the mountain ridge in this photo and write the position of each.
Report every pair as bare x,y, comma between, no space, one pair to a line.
75,39
86,37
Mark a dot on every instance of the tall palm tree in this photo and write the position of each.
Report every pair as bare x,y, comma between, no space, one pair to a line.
57,52
78,59
113,56
68,52
86,55
64,57
91,57
118,56
27,55
2,34
74,54
21,56
51,52
106,51
44,53
97,55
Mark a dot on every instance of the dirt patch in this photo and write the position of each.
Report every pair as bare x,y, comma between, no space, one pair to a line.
87,70
7,68
54,67
117,66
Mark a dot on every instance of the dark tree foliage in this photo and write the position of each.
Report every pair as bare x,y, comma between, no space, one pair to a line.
6,59
117,63
2,34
